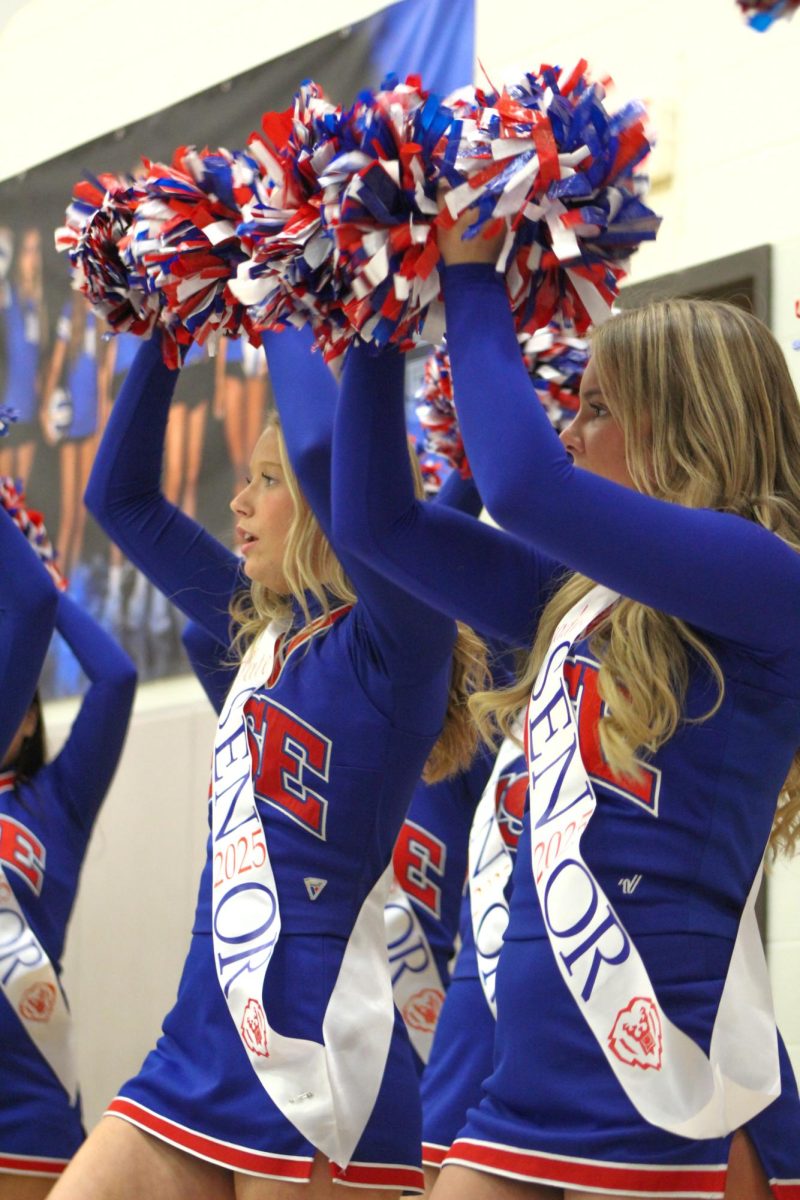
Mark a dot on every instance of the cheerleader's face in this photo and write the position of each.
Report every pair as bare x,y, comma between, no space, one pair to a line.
594,438
264,510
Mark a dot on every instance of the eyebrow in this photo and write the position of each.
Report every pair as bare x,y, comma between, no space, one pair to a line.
592,392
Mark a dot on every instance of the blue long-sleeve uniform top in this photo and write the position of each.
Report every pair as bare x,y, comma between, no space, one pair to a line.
353,716
45,824
28,605
695,826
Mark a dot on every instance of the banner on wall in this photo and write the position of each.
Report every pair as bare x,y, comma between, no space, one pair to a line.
62,377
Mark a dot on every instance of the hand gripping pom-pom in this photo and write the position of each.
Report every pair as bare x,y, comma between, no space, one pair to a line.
31,525
762,13
546,156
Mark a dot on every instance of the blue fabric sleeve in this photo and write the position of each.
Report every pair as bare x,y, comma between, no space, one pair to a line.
474,573
208,659
399,641
305,393
188,565
719,572
88,759
28,603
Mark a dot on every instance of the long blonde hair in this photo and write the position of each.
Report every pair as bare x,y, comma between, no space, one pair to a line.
310,567
689,381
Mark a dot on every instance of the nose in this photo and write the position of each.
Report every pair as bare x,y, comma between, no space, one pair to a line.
240,504
571,438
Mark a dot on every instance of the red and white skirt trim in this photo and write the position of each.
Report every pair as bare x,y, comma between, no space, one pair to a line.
379,1175
258,1162
30,1164
433,1155
692,1182
785,1189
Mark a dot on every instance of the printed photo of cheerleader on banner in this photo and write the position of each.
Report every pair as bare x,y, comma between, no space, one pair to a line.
60,370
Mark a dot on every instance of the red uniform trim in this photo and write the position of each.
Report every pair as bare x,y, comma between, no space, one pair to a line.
787,1189
379,1175
284,648
433,1155
223,1154
707,1182
27,1164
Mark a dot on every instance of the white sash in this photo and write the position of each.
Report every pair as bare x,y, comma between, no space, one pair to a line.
31,986
416,983
490,865
664,1073
328,1090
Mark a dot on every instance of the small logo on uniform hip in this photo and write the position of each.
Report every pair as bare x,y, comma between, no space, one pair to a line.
38,1002
314,886
421,1011
636,1035
254,1029
629,886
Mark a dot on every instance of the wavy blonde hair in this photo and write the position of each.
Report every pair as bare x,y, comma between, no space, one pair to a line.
311,567
688,381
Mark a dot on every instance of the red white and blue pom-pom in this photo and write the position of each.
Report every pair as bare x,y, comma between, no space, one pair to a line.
381,206
31,524
556,359
343,223
437,413
183,239
8,415
161,248
95,235
340,227
546,156
290,271
763,13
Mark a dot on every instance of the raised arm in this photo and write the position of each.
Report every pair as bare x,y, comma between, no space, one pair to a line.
86,763
305,393
474,573
400,641
28,603
714,570
192,568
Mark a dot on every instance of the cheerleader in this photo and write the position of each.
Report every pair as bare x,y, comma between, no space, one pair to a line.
47,810
70,416
288,1066
685,712
22,305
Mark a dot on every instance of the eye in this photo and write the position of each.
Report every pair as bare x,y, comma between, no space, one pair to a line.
598,410
269,480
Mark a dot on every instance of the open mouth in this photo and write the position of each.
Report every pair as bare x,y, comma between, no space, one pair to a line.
246,539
